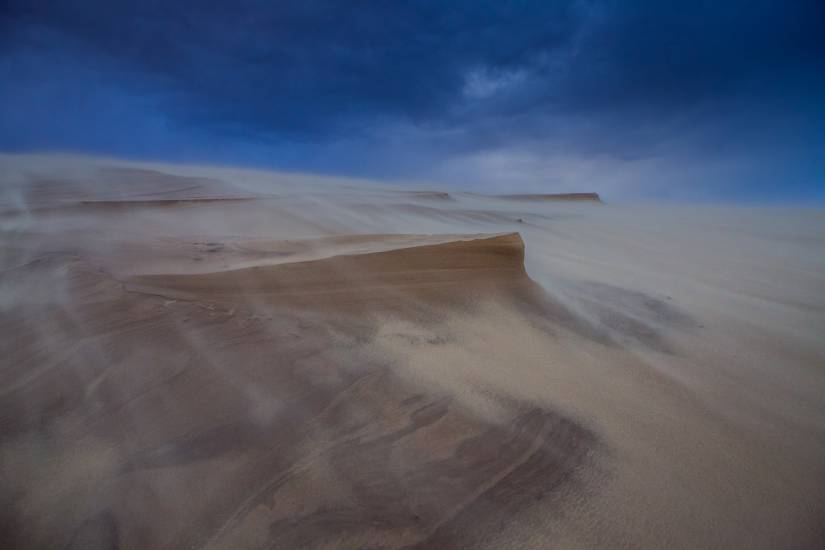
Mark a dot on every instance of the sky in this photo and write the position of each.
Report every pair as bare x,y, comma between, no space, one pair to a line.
637,100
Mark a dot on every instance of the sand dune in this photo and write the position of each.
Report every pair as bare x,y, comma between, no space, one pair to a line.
286,403
338,364
487,264
588,197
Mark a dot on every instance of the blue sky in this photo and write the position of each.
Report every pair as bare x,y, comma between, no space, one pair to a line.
659,100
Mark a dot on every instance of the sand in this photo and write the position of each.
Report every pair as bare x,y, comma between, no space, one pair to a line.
198,357
578,197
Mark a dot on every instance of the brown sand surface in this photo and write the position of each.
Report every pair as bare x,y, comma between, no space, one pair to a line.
198,357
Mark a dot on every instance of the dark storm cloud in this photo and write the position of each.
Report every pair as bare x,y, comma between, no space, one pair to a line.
280,67
326,85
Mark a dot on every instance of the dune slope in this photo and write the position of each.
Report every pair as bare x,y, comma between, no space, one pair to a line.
271,415
335,363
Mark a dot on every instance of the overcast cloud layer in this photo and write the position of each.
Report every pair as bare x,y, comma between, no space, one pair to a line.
682,100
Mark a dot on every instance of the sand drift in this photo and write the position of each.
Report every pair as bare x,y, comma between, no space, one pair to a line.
212,358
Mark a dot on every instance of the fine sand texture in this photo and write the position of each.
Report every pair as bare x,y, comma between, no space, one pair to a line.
217,358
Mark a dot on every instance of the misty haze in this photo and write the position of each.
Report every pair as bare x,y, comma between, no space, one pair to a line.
513,275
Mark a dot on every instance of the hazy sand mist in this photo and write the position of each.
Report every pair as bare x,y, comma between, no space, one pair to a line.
216,358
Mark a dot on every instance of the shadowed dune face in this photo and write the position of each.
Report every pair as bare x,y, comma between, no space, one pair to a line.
336,364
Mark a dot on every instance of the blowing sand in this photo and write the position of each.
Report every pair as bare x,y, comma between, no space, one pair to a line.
224,359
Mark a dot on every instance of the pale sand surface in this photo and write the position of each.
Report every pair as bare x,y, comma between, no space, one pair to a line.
198,357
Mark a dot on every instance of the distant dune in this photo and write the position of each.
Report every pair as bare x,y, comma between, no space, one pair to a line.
221,359
444,271
592,197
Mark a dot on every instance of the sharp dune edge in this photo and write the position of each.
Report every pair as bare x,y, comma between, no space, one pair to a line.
328,363
448,270
586,197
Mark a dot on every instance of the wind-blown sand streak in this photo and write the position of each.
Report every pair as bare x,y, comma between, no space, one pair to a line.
336,364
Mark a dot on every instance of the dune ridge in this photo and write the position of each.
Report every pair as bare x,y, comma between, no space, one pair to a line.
585,197
429,271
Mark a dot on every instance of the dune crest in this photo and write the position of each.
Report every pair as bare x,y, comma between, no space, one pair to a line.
483,264
584,197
